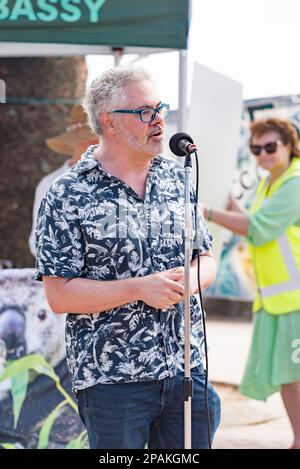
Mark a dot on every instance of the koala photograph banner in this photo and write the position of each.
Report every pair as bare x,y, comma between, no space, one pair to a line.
29,331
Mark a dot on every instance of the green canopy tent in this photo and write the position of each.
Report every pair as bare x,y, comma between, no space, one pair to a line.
80,27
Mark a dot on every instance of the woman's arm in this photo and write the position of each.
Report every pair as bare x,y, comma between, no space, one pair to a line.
237,222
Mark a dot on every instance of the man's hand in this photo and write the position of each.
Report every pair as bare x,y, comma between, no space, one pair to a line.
207,272
163,289
193,277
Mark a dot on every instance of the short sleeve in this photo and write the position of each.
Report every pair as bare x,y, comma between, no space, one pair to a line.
278,213
202,237
59,241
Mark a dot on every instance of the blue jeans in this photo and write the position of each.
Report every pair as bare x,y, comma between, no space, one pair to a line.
129,415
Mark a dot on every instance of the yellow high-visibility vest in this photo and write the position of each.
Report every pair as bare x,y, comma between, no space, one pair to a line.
277,263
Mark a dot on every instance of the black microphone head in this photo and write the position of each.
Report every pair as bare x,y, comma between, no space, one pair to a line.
173,143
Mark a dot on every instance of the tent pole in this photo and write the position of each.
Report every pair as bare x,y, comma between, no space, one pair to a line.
118,54
181,118
187,381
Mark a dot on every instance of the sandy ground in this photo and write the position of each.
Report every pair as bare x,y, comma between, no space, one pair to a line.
245,423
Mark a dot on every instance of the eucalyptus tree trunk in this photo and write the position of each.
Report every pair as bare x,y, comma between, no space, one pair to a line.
37,90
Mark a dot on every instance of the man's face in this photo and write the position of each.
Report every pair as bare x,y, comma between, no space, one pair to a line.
143,138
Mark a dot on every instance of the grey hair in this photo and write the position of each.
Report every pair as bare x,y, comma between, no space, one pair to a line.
106,92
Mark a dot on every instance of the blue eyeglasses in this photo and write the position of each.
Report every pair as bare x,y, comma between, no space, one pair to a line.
148,114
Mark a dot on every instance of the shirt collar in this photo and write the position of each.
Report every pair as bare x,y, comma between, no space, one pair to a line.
88,161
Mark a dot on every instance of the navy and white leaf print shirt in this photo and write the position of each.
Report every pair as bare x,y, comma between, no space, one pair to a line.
92,225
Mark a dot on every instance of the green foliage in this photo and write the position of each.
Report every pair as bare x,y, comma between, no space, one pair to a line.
46,428
18,373
8,446
78,443
19,385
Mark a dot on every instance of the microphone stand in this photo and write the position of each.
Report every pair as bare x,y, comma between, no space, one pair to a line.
187,380
182,145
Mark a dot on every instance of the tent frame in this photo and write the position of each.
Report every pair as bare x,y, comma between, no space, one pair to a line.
16,49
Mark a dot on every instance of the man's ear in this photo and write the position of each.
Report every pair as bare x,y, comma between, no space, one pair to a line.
107,122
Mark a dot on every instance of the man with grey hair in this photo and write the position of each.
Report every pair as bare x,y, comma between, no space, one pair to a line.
111,255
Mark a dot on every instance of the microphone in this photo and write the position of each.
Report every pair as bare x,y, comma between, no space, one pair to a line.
182,144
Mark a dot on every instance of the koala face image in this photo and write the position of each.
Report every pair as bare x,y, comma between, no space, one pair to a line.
27,324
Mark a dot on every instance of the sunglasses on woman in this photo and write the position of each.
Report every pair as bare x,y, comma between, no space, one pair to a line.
269,147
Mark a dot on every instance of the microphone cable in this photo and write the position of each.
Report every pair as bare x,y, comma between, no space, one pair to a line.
201,306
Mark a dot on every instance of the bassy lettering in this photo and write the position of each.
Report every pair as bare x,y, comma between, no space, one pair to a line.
50,10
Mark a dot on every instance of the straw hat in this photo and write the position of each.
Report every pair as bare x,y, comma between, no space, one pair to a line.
77,131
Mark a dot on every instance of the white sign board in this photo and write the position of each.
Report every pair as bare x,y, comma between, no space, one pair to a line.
214,124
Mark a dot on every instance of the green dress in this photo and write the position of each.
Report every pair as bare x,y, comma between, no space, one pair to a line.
274,357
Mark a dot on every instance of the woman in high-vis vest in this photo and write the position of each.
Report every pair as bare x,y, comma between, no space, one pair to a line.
272,229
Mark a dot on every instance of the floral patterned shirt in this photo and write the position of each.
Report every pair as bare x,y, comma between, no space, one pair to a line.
92,225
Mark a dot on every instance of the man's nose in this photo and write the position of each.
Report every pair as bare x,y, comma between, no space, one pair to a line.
157,119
